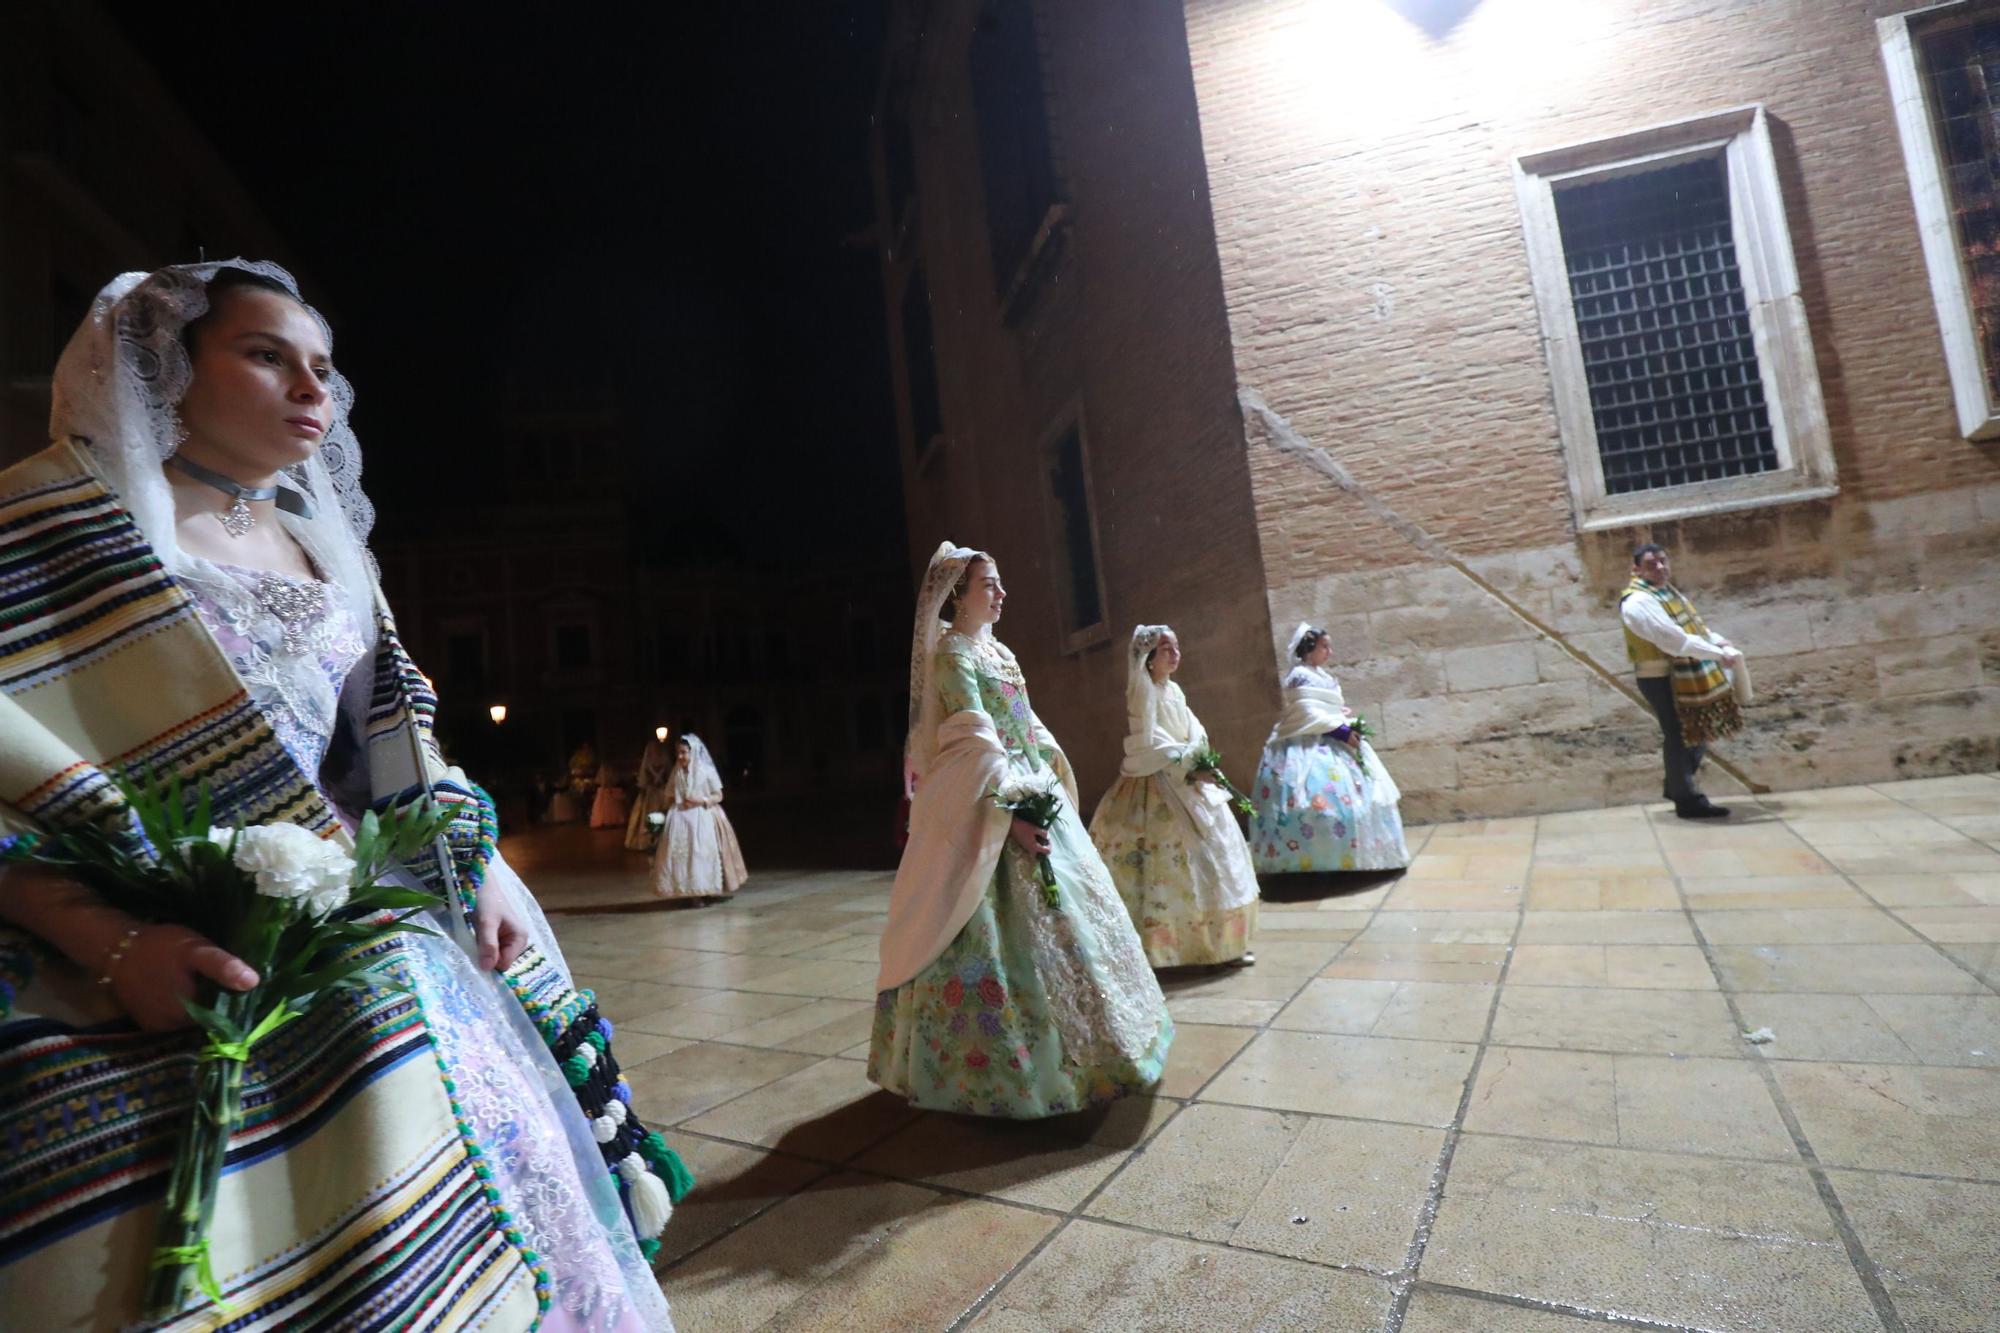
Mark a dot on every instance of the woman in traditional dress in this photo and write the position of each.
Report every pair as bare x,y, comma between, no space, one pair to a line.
1166,831
654,765
1323,800
999,993
611,805
188,593
698,856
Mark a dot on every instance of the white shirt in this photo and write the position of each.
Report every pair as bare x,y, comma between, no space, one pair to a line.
1647,618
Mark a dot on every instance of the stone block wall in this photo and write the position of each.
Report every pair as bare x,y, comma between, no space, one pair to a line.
1873,640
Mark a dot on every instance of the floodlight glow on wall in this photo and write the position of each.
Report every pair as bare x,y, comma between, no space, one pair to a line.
1347,70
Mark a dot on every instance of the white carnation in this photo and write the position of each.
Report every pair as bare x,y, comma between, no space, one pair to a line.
332,895
289,862
1019,787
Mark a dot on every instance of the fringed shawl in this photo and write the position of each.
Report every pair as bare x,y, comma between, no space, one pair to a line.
106,665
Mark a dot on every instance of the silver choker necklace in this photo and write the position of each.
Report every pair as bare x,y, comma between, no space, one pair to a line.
237,519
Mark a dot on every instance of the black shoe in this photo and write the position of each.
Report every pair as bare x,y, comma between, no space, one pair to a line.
1700,808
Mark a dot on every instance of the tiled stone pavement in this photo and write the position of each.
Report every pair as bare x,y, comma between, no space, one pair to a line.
1508,1091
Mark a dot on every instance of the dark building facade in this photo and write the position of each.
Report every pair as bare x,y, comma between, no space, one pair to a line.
100,172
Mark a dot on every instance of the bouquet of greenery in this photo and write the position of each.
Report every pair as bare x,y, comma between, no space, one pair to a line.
302,911
1208,762
1038,800
1356,729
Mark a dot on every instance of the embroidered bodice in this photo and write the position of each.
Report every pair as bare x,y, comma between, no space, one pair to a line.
292,640
981,673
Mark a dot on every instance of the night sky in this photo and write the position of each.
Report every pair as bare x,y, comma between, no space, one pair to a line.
665,208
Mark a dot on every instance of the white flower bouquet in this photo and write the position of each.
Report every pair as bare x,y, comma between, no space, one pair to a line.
1036,798
1208,760
302,911
657,820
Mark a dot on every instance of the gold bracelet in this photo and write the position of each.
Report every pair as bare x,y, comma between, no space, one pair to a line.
116,955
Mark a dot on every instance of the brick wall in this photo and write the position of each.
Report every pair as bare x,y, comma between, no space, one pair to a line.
1378,296
1130,330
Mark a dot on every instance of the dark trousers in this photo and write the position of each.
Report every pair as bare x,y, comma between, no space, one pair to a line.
1681,758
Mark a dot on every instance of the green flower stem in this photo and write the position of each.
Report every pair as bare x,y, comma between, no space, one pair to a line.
1047,874
1209,763
189,1206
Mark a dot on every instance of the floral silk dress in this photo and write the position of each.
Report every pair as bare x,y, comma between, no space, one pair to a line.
1177,855
1030,1010
1319,807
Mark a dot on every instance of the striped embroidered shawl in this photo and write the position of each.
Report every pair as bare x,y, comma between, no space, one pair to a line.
1704,699
353,1196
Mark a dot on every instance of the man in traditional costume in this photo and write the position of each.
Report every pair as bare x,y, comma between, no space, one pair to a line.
1682,668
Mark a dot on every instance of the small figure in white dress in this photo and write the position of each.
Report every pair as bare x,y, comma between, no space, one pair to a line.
698,855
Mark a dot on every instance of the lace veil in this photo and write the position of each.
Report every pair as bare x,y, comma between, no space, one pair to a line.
948,565
1142,695
1292,658
116,388
701,781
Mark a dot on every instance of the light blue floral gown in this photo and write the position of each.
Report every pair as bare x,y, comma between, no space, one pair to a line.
1030,1010
1320,807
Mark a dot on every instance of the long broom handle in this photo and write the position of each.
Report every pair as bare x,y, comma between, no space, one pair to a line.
1287,440
461,930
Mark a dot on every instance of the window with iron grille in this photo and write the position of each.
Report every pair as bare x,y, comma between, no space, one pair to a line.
1080,586
1675,391
1673,322
1016,166
1944,74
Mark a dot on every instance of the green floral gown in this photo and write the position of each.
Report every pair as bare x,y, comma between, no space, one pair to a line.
1030,1010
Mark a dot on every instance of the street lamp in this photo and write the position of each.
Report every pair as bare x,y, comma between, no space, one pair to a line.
660,735
498,712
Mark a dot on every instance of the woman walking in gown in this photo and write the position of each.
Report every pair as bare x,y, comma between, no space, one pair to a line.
998,994
1167,835
611,805
654,766
191,595
698,856
1323,799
